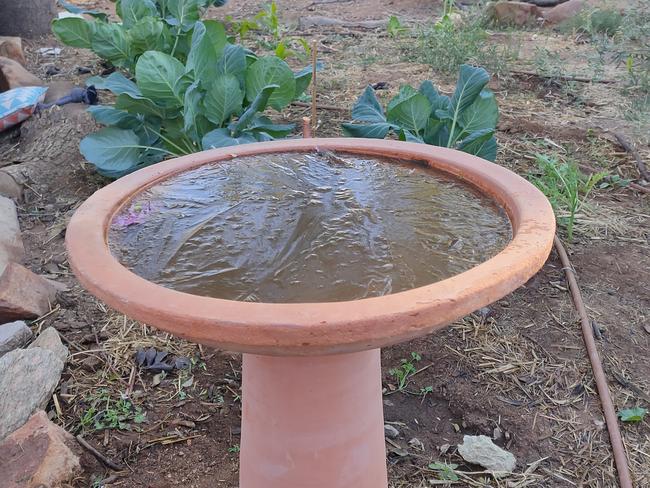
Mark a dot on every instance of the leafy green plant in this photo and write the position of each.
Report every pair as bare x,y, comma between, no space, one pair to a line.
464,121
395,27
268,20
449,43
234,449
566,187
160,25
405,370
105,413
636,414
193,89
445,471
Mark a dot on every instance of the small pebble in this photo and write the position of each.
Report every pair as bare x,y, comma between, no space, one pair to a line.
390,431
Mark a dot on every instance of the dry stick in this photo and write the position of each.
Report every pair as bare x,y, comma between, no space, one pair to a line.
306,128
625,144
581,79
632,185
107,462
322,107
596,365
314,55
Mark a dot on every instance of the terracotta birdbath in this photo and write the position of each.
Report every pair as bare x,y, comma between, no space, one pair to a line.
312,389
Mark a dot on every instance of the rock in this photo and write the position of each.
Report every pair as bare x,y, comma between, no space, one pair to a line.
27,18
38,454
9,187
563,12
11,242
13,335
12,48
23,294
29,376
390,431
13,75
513,13
479,449
49,339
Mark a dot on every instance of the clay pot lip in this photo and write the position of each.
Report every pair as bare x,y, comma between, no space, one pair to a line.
315,328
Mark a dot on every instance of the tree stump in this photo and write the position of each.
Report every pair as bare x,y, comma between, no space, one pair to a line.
26,18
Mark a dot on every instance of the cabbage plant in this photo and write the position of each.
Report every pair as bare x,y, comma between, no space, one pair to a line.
465,121
187,87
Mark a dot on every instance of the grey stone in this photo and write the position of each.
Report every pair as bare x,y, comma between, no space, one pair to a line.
390,431
9,187
13,335
28,379
49,339
479,449
11,242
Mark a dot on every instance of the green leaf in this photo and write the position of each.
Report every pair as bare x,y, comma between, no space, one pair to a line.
116,83
437,101
405,92
106,115
116,152
77,10
150,34
223,98
636,414
264,124
258,105
132,11
184,13
436,132
74,32
157,75
208,42
110,42
408,136
232,61
137,104
411,112
367,108
471,82
371,131
482,114
267,71
480,143
222,138
192,110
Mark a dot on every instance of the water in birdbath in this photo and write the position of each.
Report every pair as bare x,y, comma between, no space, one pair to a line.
306,227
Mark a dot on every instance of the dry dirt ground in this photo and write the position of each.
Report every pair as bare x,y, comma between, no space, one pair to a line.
517,372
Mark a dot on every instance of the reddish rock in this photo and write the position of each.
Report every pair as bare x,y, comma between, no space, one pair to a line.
513,13
12,48
23,294
38,454
13,75
563,12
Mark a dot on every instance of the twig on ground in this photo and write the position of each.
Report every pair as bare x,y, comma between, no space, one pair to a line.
323,107
627,145
100,457
581,79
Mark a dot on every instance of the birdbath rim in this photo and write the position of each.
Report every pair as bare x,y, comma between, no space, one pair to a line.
314,328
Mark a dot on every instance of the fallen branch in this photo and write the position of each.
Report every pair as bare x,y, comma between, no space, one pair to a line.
100,457
324,107
611,419
581,79
627,145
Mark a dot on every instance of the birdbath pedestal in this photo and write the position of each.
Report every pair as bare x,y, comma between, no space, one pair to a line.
312,410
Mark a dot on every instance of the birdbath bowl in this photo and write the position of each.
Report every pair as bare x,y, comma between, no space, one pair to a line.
308,256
